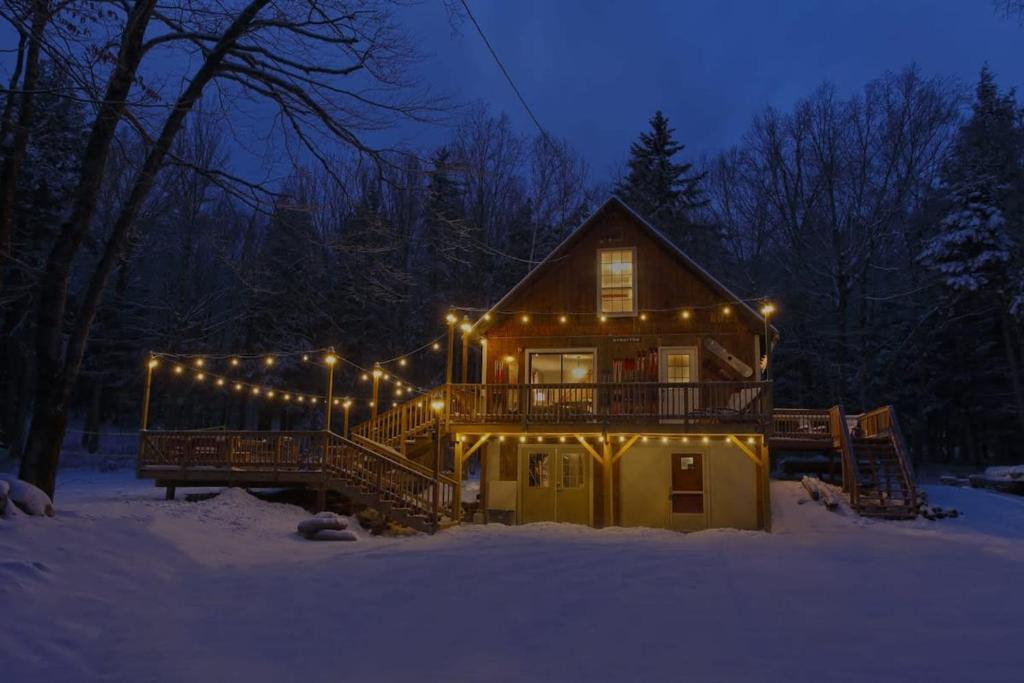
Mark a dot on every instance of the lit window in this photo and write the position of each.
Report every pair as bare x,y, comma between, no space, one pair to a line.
618,280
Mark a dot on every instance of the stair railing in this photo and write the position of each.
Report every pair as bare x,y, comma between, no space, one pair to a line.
882,422
841,440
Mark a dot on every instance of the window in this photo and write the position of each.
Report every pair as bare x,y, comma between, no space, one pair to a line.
561,368
538,476
677,367
572,470
617,286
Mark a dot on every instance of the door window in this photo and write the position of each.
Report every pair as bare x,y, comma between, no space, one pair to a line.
687,483
572,470
677,367
538,471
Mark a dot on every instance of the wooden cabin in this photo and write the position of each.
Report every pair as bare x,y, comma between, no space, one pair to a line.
620,383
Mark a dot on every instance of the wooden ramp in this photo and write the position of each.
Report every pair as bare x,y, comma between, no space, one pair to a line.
407,491
877,473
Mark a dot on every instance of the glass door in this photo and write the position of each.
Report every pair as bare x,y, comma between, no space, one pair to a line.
678,365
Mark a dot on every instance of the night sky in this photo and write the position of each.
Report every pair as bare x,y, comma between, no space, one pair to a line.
594,71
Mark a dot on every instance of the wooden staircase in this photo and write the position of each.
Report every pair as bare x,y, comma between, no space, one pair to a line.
876,466
374,475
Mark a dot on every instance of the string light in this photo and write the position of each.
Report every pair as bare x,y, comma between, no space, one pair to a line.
255,391
522,439
451,319
705,439
300,399
336,401
726,310
269,360
270,394
563,319
312,399
685,315
604,318
199,362
524,319
364,377
331,359
436,346
200,376
643,316
487,317
235,362
401,361
238,386
305,357
287,397
220,381
178,369
153,362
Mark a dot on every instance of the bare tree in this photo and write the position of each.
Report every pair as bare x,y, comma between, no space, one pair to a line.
332,68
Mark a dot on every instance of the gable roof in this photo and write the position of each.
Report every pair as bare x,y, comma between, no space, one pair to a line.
612,202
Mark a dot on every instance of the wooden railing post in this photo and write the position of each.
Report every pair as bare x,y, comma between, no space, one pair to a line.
403,431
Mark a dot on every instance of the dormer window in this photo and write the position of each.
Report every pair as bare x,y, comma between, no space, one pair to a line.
617,281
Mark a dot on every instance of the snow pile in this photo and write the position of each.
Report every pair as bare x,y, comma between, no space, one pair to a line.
1013,472
326,526
17,494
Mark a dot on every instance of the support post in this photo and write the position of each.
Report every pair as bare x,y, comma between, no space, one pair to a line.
448,369
150,364
457,503
437,472
483,486
377,372
606,471
403,429
331,359
169,493
346,406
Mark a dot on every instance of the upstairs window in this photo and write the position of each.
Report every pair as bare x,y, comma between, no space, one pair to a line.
617,285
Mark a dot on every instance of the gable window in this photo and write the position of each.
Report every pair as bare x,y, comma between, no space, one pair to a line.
617,281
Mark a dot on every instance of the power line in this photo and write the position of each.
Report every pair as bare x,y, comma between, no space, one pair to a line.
501,66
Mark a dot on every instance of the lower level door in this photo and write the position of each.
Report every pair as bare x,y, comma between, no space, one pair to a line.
556,484
687,509
573,488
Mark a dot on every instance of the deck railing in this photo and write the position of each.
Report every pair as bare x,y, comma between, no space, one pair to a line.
397,481
689,404
800,424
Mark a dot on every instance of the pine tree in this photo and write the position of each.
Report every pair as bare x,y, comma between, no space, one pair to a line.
976,254
663,191
442,224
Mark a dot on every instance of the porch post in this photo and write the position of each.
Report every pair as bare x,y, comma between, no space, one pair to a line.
150,364
457,502
377,372
330,359
606,471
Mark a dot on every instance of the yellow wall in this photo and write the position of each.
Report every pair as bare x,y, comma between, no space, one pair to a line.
730,487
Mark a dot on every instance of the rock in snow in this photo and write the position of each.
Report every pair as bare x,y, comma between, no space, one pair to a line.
29,498
324,521
5,489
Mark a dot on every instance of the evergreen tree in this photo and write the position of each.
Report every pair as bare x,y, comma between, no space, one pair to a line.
442,225
976,255
664,191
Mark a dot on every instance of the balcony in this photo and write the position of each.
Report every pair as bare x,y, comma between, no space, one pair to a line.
656,406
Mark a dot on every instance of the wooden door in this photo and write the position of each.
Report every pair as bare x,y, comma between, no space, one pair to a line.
556,484
678,365
573,486
540,477
687,484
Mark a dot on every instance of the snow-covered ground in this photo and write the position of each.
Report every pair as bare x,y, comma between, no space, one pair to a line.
123,586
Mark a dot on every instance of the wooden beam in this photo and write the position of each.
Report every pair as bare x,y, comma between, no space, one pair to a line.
747,450
606,467
625,447
480,442
460,458
590,449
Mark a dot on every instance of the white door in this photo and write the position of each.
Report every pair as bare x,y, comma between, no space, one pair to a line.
678,365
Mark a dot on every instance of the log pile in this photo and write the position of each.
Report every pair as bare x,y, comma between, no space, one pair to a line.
821,493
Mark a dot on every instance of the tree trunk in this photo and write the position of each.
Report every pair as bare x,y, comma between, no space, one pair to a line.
1006,323
49,419
43,445
26,112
